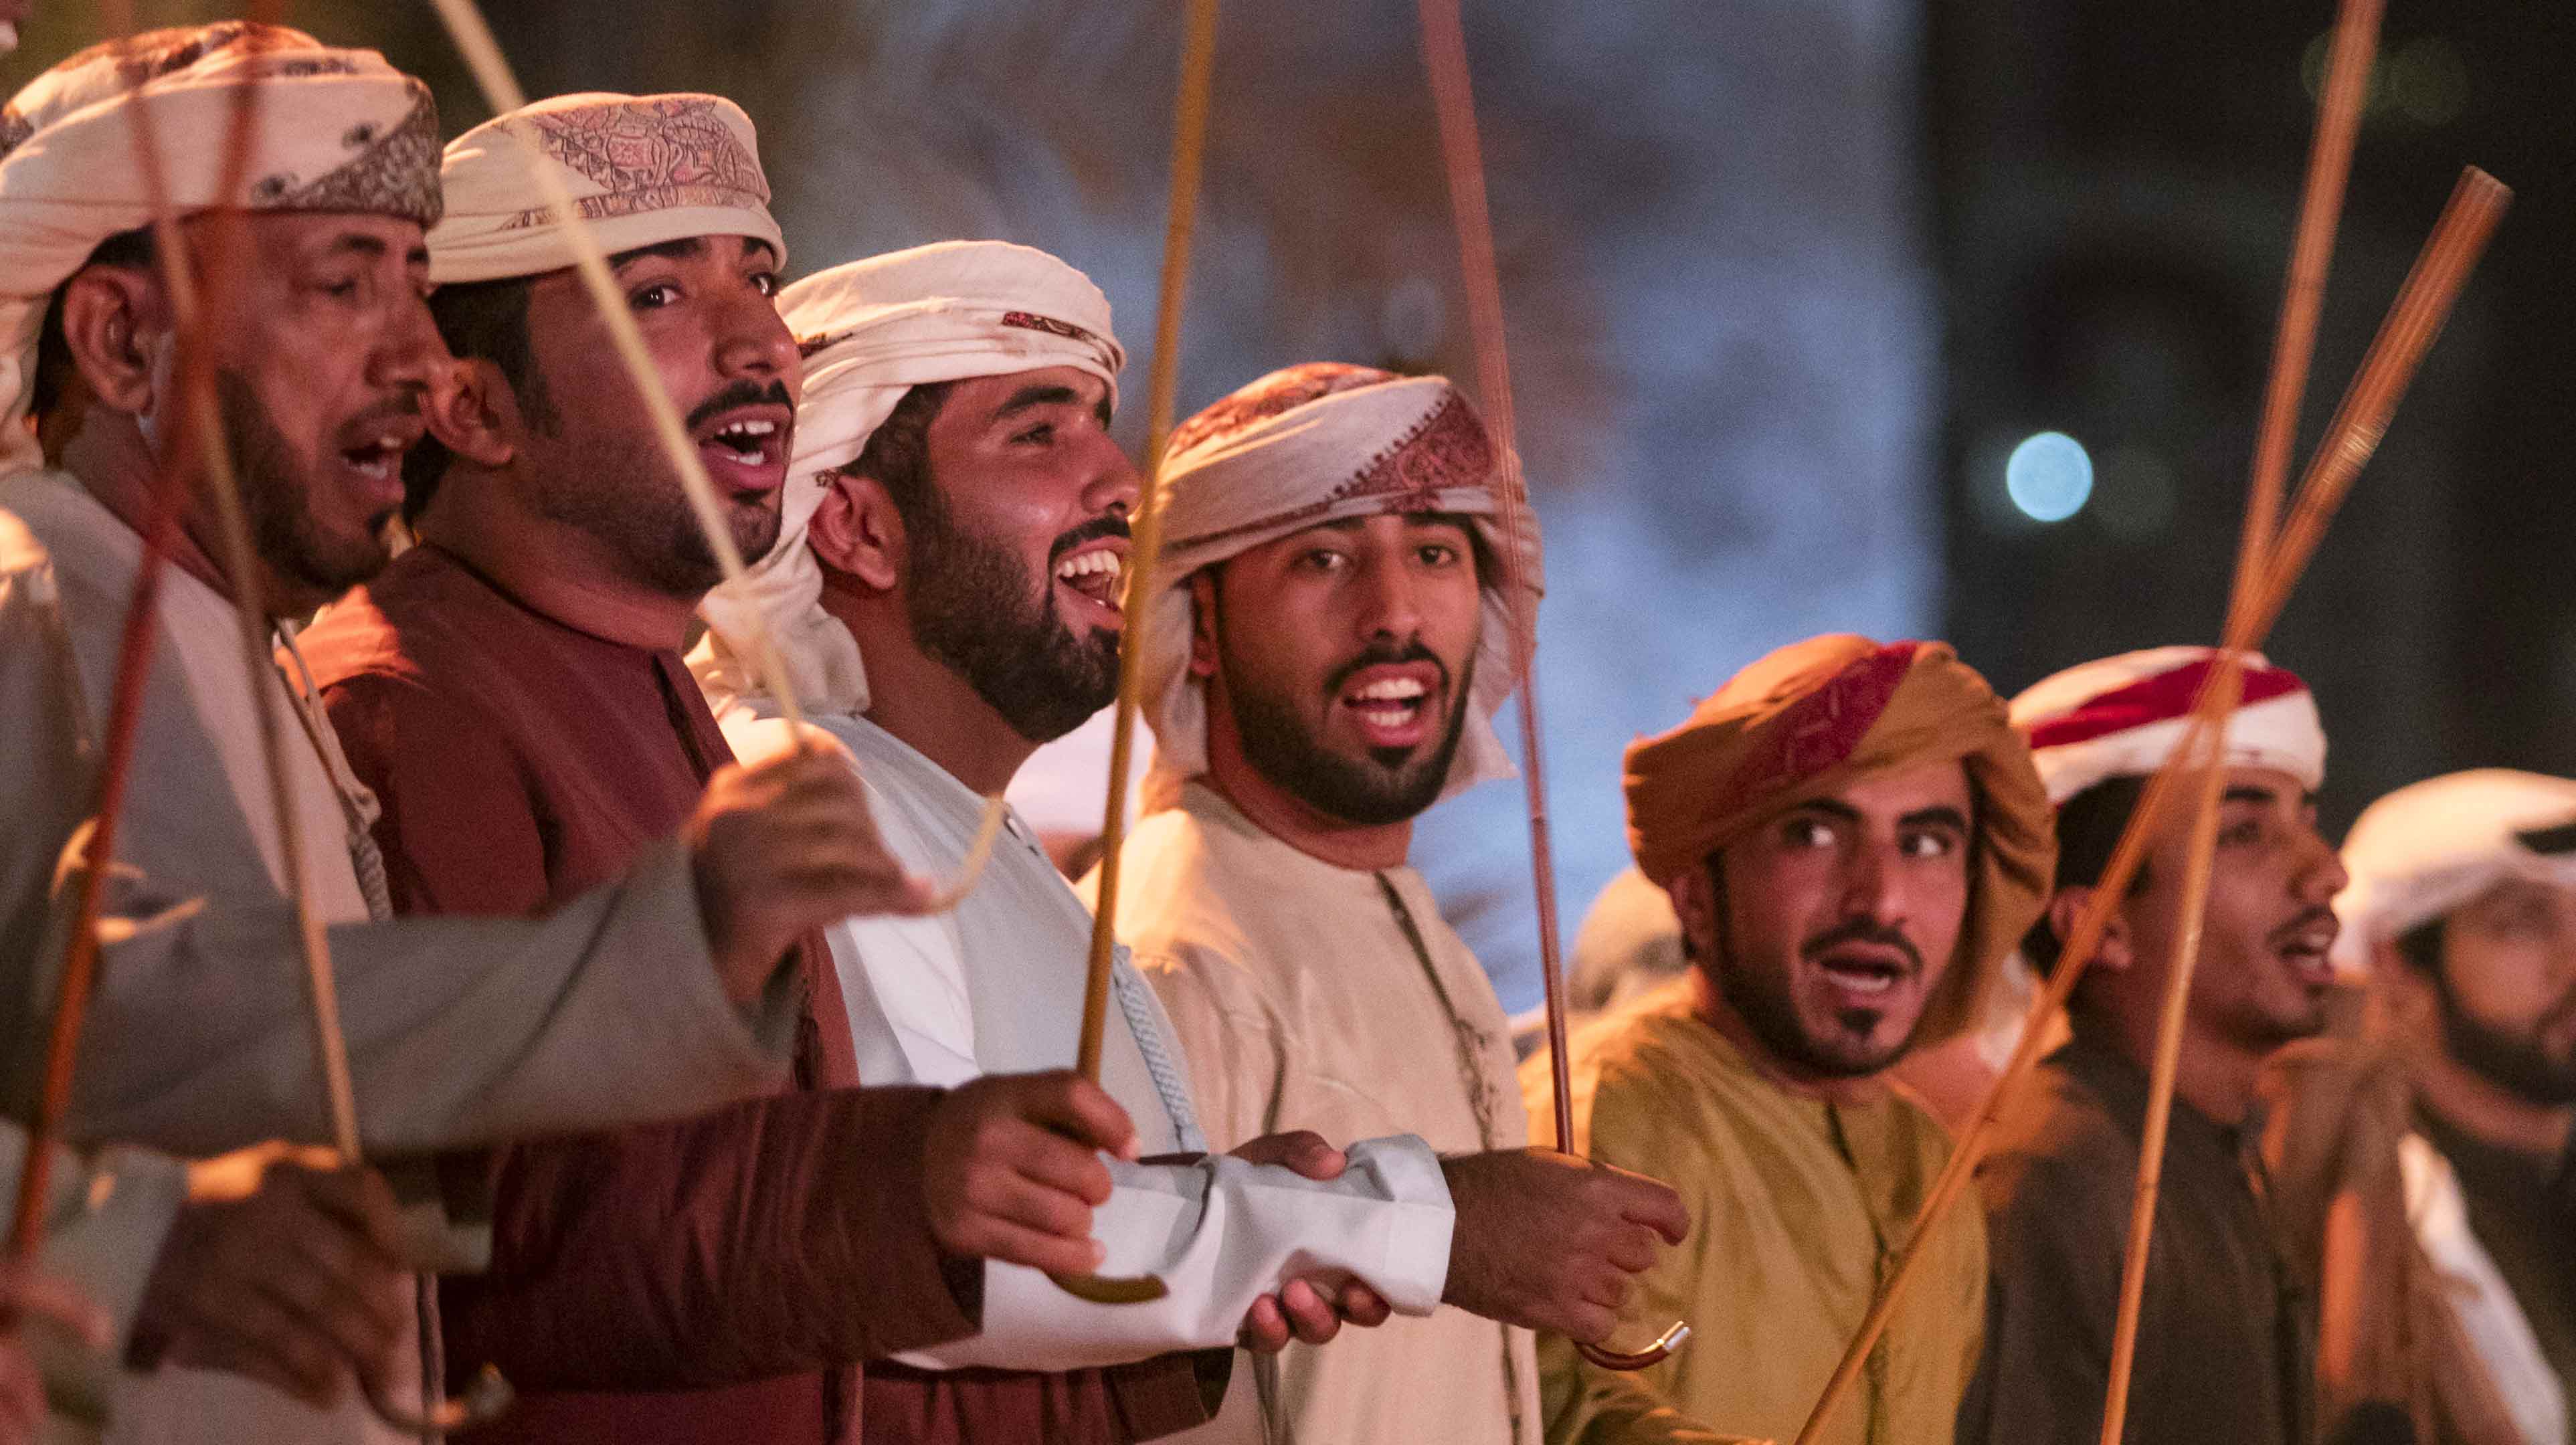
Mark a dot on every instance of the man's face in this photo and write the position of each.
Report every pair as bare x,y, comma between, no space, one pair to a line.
324,353
1345,654
2508,987
706,308
1017,549
2263,977
1829,928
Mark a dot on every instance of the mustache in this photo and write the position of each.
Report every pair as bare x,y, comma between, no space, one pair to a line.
1862,930
1379,654
739,393
2307,919
1109,524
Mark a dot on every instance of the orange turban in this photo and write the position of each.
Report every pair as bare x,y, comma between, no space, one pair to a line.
1817,716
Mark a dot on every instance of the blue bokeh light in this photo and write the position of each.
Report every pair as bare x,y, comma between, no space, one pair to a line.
2049,476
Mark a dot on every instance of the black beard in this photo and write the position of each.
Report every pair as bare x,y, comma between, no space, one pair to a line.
1388,787
969,606
274,501
1765,1005
2514,1062
625,494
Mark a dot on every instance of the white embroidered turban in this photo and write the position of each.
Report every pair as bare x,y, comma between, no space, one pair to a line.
2124,716
1311,444
335,130
643,169
2431,846
870,331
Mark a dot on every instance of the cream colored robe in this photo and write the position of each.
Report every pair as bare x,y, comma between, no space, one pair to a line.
1302,1005
1796,1207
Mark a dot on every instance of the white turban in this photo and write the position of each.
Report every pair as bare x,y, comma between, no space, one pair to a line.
335,130
643,169
1302,446
2124,716
870,331
2431,846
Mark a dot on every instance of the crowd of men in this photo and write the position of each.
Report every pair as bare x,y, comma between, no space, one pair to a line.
701,1119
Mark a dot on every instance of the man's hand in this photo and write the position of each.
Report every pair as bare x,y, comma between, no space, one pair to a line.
1548,1241
1301,1310
22,1389
283,1268
783,847
1012,1172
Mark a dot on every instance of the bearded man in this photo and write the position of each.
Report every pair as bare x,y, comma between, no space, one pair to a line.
2223,1337
645,997
1852,837
2424,1170
954,606
1334,625
513,689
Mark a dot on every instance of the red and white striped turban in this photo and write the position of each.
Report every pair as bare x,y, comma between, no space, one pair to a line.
2124,716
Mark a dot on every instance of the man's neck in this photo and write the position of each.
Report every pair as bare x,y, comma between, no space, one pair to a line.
110,459
923,703
1365,847
551,568
2215,1076
1714,1010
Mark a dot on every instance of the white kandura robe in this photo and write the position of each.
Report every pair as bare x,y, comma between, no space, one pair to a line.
1303,1004
199,1037
995,986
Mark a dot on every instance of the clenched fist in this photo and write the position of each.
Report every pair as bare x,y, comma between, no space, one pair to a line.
1012,1168
783,847
1548,1240
283,1268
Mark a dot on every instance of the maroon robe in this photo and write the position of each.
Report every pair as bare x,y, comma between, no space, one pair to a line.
638,1278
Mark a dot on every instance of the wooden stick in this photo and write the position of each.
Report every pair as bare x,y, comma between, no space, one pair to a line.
2423,304
1189,152
500,86
137,641
2356,430
2347,84
2198,859
1444,57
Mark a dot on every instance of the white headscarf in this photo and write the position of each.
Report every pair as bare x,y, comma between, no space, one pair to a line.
1302,446
870,331
335,130
2429,847
644,169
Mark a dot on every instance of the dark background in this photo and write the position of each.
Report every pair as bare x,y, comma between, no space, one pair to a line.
1787,279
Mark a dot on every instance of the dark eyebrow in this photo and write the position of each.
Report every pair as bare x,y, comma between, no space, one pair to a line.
416,256
754,245
687,248
1834,808
2248,793
360,243
1030,397
1939,815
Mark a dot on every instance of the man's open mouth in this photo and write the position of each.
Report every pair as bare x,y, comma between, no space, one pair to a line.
2308,951
1393,702
1864,974
1096,572
746,449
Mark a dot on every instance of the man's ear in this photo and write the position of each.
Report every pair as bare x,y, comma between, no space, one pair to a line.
1203,623
473,413
859,531
115,324
1694,895
2113,954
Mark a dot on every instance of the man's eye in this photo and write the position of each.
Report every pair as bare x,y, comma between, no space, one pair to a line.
766,283
1929,845
2242,835
654,297
1043,434
1439,554
1806,833
342,289
1323,561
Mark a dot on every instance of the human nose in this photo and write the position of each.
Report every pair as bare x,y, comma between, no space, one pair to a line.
2323,876
1115,484
753,342
1872,884
1391,601
410,355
